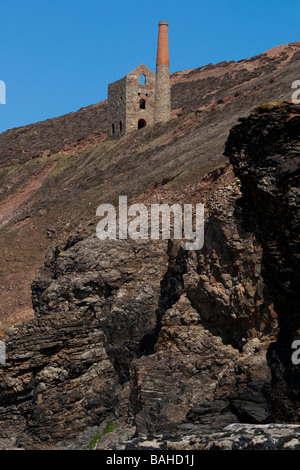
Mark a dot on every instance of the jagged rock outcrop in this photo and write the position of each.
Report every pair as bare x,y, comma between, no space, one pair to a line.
223,280
142,333
97,305
55,173
264,151
145,331
213,339
50,388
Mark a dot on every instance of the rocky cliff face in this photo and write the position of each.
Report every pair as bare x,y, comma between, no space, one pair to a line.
264,151
145,334
165,339
66,370
55,173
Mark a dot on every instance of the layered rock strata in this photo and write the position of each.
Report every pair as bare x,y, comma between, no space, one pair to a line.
264,151
143,331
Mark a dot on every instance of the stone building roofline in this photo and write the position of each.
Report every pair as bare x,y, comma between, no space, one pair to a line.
140,69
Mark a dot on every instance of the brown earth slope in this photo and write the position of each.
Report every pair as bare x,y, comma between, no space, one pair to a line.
54,174
145,334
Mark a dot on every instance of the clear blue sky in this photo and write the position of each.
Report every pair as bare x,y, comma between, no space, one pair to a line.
59,55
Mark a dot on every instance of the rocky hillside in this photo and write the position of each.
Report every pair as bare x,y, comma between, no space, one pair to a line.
268,74
264,151
54,174
142,336
115,319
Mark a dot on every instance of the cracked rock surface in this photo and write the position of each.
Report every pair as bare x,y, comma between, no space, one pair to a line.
143,331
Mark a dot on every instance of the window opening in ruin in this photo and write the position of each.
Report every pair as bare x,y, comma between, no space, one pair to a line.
142,104
142,79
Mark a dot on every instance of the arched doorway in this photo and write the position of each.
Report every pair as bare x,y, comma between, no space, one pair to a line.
142,123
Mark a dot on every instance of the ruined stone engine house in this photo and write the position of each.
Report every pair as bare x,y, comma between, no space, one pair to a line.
142,98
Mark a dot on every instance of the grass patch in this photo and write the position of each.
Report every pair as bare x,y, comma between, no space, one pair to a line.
110,427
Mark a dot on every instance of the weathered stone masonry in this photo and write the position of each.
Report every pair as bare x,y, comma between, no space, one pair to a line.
131,101
117,107
142,98
162,111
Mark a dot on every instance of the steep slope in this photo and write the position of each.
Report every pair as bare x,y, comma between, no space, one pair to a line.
229,82
72,131
144,333
207,87
54,174
264,151
116,320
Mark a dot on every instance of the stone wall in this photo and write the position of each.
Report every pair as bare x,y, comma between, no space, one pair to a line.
135,92
116,111
124,98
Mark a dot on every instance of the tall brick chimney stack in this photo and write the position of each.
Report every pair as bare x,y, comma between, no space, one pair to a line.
162,111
